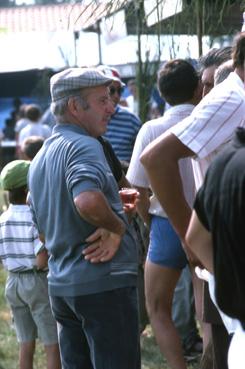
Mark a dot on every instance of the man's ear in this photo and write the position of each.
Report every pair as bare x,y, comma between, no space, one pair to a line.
198,92
73,105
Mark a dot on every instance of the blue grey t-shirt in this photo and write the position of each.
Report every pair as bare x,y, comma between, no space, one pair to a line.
69,163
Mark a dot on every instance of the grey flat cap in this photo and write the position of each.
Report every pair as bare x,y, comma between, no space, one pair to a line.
72,79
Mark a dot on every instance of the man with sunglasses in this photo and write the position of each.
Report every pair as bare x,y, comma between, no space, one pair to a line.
123,125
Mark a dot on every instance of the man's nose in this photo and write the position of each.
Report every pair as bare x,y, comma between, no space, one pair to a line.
110,107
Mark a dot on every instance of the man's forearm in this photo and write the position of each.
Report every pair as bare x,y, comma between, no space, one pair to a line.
199,241
94,208
167,186
160,160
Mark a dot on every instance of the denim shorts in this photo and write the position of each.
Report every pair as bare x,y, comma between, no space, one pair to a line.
165,248
99,331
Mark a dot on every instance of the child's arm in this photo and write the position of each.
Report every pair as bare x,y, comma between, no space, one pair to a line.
42,259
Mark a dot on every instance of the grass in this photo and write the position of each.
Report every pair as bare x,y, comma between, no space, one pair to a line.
151,357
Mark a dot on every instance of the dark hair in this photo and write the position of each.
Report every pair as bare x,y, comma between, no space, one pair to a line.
177,81
17,196
238,53
31,145
215,57
33,112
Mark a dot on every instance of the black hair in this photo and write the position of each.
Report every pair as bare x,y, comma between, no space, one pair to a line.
215,57
238,54
33,112
177,81
31,145
18,195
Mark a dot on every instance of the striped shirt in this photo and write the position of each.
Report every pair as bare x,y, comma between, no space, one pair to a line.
19,242
212,123
122,131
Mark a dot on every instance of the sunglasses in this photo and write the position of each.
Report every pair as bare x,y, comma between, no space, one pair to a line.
113,90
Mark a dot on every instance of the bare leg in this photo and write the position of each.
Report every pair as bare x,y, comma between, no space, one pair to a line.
160,283
26,354
53,356
198,294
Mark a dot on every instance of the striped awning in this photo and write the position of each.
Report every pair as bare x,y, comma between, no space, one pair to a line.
49,18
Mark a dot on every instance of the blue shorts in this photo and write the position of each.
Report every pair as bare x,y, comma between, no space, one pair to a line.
165,247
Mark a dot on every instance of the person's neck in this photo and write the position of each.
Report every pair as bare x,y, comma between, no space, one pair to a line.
23,202
240,72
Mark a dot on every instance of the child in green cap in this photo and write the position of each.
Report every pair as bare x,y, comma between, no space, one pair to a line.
25,258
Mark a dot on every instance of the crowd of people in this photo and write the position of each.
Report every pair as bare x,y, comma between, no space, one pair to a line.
104,268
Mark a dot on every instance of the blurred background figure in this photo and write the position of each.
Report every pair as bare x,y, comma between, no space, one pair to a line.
132,99
30,147
34,127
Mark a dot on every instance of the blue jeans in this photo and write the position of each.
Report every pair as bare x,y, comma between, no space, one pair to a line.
99,331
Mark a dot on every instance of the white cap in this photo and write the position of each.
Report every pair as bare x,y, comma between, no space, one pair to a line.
111,73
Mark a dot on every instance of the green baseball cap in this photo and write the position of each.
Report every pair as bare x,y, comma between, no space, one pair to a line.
14,174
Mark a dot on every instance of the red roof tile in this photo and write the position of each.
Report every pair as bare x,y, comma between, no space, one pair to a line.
55,17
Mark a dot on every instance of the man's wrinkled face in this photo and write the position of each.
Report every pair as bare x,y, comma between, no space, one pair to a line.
208,79
99,108
115,92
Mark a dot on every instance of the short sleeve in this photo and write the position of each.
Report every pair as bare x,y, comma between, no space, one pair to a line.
86,170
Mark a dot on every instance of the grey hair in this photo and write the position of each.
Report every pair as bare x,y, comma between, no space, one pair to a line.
59,107
215,57
222,72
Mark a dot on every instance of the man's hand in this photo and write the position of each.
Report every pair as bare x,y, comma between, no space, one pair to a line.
103,246
130,205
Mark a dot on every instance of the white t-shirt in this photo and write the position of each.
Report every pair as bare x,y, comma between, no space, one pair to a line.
235,353
236,350
34,129
133,104
136,173
212,123
21,123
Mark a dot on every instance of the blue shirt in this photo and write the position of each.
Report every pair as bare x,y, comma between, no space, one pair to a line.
122,131
70,162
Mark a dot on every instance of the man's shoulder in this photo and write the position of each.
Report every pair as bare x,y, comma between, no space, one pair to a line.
3,217
121,111
168,120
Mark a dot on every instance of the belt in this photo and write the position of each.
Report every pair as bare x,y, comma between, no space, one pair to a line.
29,271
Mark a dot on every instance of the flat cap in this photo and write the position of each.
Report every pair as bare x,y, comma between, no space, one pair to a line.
14,174
65,83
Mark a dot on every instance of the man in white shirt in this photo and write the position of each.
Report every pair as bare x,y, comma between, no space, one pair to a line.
210,126
178,82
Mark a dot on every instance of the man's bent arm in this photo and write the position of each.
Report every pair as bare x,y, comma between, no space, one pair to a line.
94,208
199,241
105,241
160,160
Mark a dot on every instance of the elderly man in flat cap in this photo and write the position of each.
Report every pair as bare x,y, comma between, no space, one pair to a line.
93,255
